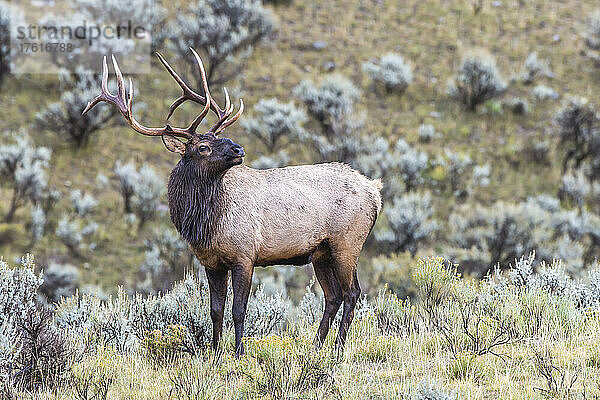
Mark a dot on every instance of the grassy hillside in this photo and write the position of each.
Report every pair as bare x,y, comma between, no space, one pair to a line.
431,35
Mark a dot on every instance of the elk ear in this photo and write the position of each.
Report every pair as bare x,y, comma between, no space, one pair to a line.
173,144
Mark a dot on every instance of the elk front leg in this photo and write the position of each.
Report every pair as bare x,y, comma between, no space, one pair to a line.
241,279
217,283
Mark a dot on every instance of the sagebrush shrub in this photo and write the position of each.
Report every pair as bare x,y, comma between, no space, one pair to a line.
277,160
592,38
142,190
501,233
478,318
517,105
392,71
187,305
329,102
37,223
19,289
430,391
401,166
222,31
535,68
410,222
275,120
83,203
394,315
46,356
266,314
542,92
574,186
94,323
71,234
17,297
481,175
166,259
311,306
498,234
149,190
23,166
411,164
128,176
426,133
60,280
32,349
477,81
456,166
345,144
579,131
64,117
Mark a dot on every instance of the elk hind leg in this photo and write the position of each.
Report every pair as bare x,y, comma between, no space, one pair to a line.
323,265
344,268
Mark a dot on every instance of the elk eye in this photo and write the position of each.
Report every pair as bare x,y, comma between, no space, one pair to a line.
202,148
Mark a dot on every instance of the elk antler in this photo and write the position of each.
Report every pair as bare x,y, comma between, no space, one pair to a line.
188,94
124,103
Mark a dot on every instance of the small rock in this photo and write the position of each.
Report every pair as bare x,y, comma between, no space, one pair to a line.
497,3
319,45
329,66
435,114
68,183
307,68
556,38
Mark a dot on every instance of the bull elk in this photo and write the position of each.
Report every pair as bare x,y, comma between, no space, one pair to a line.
235,217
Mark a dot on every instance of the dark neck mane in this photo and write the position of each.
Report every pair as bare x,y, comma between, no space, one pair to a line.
194,202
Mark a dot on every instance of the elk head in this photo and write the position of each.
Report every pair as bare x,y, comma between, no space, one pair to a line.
207,149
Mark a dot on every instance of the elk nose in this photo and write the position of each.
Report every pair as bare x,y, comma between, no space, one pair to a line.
238,151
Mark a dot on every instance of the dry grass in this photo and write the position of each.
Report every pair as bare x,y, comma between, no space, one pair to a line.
374,367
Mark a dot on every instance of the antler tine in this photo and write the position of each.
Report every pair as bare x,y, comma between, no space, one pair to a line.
188,94
213,104
120,83
223,121
227,102
105,95
104,75
194,125
125,104
232,119
207,100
